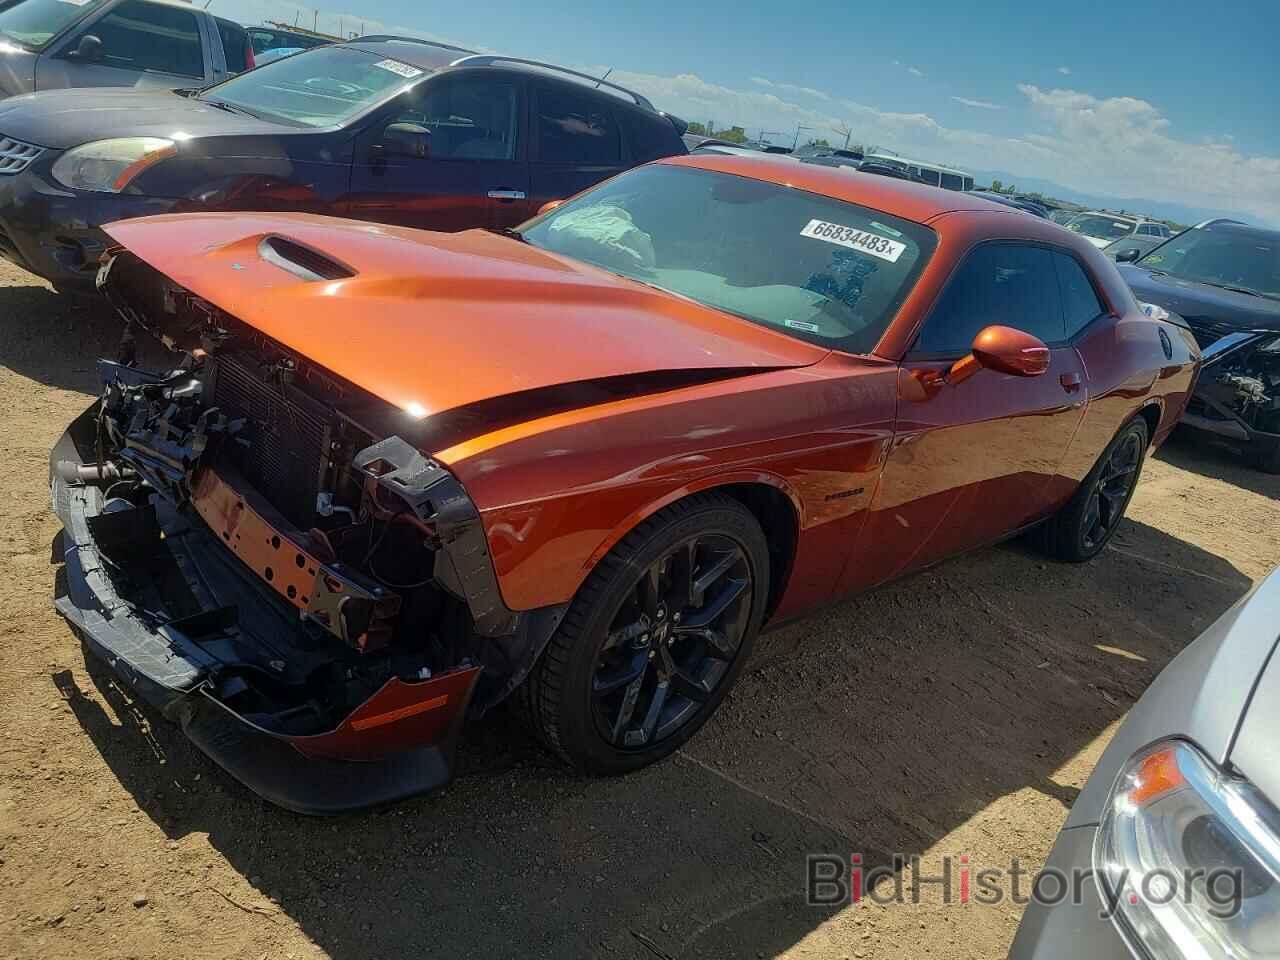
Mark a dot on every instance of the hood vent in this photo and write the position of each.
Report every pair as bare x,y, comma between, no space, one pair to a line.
302,261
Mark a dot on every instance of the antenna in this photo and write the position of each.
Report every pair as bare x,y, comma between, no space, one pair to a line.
604,78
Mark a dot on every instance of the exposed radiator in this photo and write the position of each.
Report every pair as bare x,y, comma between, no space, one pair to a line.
286,459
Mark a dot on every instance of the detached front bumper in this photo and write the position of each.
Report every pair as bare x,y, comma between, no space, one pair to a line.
398,742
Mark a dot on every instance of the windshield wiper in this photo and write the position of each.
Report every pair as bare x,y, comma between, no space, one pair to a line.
509,232
230,107
1245,290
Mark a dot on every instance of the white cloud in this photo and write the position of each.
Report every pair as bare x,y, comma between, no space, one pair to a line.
791,88
1065,71
915,71
980,104
1119,146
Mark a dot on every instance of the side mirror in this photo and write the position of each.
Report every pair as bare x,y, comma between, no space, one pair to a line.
549,206
89,49
998,348
406,140
1128,255
1010,351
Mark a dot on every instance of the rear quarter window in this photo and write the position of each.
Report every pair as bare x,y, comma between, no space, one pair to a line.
235,45
651,137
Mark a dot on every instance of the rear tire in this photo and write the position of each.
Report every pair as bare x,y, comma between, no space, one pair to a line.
1088,521
654,639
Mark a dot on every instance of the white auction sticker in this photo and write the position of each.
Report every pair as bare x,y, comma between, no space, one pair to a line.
403,69
860,240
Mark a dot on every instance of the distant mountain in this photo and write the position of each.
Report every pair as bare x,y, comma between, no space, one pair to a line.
1159,209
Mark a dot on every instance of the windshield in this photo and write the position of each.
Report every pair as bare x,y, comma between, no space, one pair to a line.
33,23
1226,259
818,269
322,87
1102,227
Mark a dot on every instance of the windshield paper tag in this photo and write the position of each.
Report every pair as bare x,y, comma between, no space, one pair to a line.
869,243
403,69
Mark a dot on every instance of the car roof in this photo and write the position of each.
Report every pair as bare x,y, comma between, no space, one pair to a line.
903,198
423,54
1242,230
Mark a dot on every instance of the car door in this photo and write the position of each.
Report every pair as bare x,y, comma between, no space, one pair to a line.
575,143
474,173
974,460
140,44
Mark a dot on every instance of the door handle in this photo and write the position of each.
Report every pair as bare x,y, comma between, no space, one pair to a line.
1070,382
506,194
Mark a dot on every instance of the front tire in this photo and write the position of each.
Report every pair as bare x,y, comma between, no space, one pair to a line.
1088,521
654,639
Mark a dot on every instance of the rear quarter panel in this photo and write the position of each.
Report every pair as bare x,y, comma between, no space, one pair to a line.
557,494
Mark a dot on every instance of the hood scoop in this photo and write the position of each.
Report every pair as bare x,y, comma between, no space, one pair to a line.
305,263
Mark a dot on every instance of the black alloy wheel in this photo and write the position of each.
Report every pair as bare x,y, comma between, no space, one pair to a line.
1112,490
654,639
1088,521
672,641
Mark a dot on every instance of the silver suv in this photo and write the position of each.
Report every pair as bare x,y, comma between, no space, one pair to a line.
53,44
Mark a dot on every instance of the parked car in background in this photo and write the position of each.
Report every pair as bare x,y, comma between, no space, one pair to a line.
924,172
417,472
1176,834
1063,216
393,130
1101,228
1130,248
148,44
1223,278
835,158
1005,200
274,38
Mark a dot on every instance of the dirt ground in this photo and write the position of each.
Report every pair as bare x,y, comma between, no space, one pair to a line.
957,712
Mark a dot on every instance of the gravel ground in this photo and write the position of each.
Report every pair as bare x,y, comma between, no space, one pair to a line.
958,711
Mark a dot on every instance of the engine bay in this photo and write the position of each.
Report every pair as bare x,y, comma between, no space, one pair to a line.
1246,384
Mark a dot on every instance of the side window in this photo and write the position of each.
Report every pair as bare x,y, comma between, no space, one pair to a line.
472,118
576,129
151,36
651,137
1080,303
998,283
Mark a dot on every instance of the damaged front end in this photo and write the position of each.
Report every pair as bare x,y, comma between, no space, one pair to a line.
1237,396
253,548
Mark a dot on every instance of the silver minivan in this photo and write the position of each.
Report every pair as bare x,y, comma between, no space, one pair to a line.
52,44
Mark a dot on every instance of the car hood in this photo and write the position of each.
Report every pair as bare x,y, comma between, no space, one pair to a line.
432,322
1098,242
1202,301
60,119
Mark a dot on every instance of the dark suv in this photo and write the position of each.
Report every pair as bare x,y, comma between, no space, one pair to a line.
1223,278
382,128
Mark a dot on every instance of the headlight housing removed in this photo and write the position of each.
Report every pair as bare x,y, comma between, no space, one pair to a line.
1190,855
108,166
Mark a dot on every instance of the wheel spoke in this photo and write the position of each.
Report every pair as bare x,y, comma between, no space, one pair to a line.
650,590
621,636
686,686
607,681
722,565
641,736
1091,518
628,707
711,612
680,575
718,645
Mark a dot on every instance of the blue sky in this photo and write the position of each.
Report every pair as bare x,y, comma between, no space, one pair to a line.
1169,101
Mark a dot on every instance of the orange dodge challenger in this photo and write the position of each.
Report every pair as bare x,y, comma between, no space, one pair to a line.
394,477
